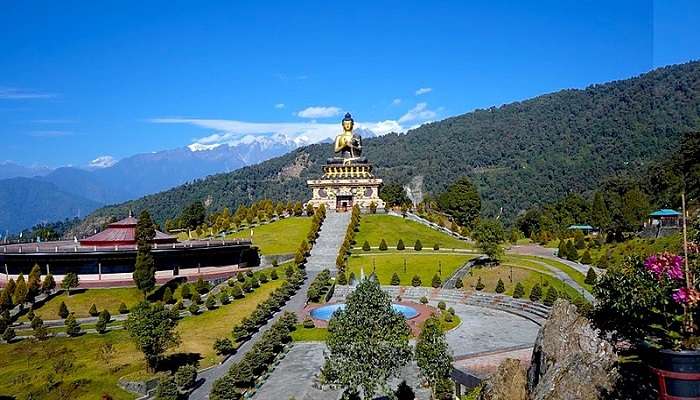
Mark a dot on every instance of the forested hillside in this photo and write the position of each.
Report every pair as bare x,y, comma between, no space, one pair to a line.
519,155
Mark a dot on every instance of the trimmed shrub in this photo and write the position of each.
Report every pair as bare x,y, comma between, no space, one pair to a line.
123,309
210,304
72,326
240,277
178,306
418,246
193,309
437,282
500,286
519,291
262,277
223,346
424,300
196,298
366,246
459,284
308,323
551,296
185,377
536,292
400,245
415,282
436,246
249,273
382,245
237,291
201,286
168,296
591,277
166,389
448,317
586,258
224,297
63,311
341,279
8,335
93,311
395,280
273,275
186,292
30,315
479,284
230,282
442,306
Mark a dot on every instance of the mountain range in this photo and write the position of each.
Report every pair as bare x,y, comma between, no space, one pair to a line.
31,195
519,155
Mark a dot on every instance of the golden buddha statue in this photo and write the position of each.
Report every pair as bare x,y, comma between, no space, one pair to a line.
348,144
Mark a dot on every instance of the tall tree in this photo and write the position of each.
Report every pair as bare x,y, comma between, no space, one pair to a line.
34,281
489,235
432,352
635,207
145,268
367,341
21,291
462,201
70,281
393,195
600,217
152,327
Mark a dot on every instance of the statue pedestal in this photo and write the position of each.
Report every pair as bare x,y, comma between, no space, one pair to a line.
345,185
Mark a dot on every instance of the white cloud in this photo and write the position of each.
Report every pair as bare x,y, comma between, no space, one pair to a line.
279,105
318,112
418,113
396,101
103,162
423,91
22,94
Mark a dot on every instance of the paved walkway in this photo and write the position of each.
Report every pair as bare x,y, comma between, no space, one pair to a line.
459,274
548,252
331,236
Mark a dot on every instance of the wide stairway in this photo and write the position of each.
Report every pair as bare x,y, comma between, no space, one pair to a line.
330,238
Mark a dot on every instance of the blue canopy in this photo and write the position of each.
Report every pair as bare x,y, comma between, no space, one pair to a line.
582,227
665,212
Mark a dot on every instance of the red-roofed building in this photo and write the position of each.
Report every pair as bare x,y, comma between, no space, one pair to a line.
123,233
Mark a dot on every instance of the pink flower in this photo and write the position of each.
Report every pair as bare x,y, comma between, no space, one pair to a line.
665,264
681,296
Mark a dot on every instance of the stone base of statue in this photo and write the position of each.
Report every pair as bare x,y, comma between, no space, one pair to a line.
345,183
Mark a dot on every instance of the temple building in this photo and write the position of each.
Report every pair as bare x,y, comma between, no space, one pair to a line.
347,178
107,258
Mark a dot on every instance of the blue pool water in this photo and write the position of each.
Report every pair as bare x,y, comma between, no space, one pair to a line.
326,312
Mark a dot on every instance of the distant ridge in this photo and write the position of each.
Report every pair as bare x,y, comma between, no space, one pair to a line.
519,155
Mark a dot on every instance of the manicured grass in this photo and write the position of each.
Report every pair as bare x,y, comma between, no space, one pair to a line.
302,334
374,228
79,303
424,264
528,278
279,237
25,365
574,274
199,332
447,326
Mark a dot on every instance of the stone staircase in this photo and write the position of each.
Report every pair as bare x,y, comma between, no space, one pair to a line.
325,251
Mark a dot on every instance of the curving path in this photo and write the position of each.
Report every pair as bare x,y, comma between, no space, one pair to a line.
550,253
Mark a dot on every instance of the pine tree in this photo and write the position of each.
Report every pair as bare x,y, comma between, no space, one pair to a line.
571,252
8,335
579,241
341,279
102,321
63,311
168,296
93,310
591,277
418,246
604,260
72,326
10,287
21,291
459,284
416,281
500,286
395,280
600,217
586,259
400,245
366,246
70,280
382,245
536,292
5,300
436,282
186,292
519,291
561,250
49,284
34,281
551,296
479,285
123,309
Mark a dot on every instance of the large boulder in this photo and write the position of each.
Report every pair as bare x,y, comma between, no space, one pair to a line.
570,360
508,383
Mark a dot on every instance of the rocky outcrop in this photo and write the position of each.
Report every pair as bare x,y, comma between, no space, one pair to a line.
569,361
508,383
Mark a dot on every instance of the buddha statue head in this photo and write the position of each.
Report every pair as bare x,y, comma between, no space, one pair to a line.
348,123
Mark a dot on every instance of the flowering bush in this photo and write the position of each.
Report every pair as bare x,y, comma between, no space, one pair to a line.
651,300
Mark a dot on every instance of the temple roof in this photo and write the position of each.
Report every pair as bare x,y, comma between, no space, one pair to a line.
665,212
122,232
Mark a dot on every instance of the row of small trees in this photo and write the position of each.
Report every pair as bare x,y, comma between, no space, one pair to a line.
319,286
536,294
241,376
417,246
306,245
349,240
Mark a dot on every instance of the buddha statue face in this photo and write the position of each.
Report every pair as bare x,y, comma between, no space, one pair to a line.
347,125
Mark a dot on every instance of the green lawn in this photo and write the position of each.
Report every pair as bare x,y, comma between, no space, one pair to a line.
25,366
80,303
528,278
279,237
424,264
574,274
374,228
302,334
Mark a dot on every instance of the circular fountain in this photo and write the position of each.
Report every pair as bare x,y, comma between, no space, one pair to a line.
324,313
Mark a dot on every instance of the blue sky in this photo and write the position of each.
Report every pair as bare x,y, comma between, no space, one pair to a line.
80,80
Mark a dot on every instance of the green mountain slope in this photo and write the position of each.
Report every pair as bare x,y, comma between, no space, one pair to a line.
519,155
26,202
